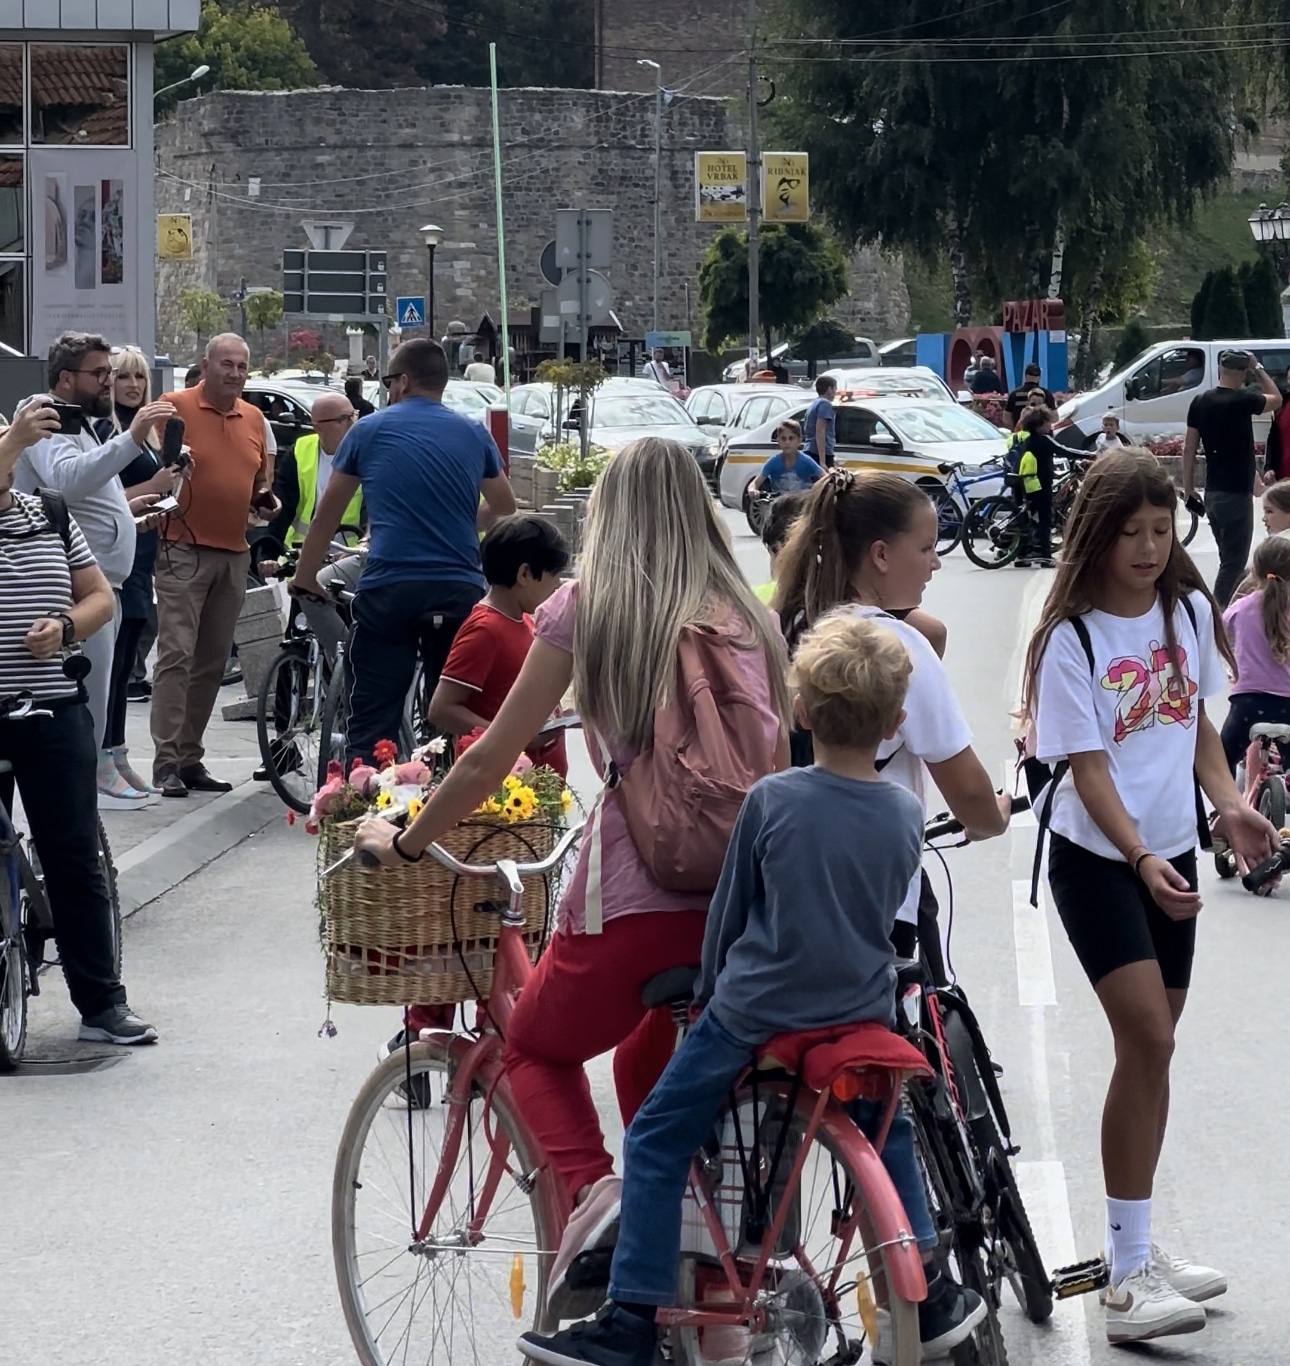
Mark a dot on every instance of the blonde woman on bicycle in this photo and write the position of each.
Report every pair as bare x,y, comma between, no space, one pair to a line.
654,560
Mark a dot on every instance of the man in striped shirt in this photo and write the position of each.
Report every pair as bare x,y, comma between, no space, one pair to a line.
52,593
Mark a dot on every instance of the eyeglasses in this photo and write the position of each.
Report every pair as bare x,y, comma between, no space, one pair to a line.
340,417
100,372
387,380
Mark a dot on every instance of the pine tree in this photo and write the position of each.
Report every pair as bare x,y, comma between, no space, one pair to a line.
1200,301
1262,293
1225,308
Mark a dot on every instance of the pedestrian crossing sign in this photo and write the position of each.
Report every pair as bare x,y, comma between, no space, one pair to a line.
411,310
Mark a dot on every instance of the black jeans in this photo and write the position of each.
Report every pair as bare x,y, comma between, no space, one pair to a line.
1231,515
392,624
124,654
1243,710
54,760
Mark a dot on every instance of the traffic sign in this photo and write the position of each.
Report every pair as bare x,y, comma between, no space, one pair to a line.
589,231
410,310
349,283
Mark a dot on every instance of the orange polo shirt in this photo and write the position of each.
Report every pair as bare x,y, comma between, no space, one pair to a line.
229,462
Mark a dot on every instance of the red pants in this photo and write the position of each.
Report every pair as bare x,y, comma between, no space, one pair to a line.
585,998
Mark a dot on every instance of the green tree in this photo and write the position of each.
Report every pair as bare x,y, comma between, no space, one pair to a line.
1225,307
802,271
247,46
1199,303
202,311
1261,291
1134,340
822,341
263,311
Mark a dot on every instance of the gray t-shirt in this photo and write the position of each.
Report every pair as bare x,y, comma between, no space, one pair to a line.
799,930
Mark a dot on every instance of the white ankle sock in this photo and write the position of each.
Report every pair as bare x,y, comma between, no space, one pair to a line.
1128,1236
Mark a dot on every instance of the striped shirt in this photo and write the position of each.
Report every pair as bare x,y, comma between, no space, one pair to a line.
35,581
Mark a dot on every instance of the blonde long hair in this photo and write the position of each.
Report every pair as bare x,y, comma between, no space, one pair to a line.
129,360
655,559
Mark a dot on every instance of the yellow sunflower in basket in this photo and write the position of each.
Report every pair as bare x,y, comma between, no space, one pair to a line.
512,783
383,800
520,804
492,807
415,807
566,799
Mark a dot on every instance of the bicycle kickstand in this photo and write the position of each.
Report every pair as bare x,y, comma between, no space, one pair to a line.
1081,1279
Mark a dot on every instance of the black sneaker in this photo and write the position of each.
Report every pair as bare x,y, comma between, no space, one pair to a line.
613,1338
421,1091
1021,562
948,1314
116,1024
138,692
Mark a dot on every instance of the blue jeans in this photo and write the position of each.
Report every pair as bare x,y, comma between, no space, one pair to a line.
669,1129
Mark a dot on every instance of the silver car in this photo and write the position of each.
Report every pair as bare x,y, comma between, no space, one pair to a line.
474,400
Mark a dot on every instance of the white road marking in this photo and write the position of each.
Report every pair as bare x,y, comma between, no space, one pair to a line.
1044,1194
1035,985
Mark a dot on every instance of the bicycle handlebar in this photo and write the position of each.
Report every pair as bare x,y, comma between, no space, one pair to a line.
1258,878
945,824
454,865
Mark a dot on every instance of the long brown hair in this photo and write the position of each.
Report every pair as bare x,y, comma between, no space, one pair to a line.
1272,580
1113,490
845,514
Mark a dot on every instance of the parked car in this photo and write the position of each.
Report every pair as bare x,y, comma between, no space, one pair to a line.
903,351
910,381
715,405
1152,393
864,352
910,437
622,412
473,399
287,404
781,401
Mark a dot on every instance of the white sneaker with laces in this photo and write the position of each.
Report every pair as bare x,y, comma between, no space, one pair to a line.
1189,1279
1144,1306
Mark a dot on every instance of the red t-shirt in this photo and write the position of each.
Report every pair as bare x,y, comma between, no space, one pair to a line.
486,656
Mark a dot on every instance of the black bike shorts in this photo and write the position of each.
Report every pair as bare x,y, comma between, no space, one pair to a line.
1110,917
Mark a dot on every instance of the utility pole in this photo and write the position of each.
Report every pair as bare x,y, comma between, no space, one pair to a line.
658,166
754,193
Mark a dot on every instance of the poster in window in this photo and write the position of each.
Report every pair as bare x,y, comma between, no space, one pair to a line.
111,231
85,236
57,232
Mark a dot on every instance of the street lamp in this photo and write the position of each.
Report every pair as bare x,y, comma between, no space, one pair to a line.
658,164
196,75
431,235
1271,227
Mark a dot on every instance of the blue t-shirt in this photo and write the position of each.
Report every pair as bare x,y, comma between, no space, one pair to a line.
421,466
799,929
783,480
821,408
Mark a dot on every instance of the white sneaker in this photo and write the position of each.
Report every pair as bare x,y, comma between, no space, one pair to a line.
1144,1305
1189,1279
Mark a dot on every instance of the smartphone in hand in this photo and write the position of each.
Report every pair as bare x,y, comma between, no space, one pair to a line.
71,418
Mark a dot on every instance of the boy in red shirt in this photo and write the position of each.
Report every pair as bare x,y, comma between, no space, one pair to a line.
522,557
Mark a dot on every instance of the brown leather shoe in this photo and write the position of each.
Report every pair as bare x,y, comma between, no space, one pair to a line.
168,782
198,778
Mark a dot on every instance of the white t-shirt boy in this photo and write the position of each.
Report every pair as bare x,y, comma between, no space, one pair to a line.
1139,710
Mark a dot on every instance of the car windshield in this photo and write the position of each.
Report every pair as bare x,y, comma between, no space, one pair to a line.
870,383
935,425
638,410
462,398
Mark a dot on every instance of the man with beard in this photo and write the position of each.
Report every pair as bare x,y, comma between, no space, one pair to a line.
75,464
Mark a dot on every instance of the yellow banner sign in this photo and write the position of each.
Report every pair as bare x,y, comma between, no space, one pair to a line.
721,187
174,237
785,187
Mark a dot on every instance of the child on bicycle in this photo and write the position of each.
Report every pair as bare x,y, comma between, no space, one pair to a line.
1128,648
1258,627
798,938
1034,456
792,470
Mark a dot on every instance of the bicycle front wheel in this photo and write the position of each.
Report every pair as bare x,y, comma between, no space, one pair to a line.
992,532
478,1278
13,971
1186,522
288,725
114,898
949,517
333,727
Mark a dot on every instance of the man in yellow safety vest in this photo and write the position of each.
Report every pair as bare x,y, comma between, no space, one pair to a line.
302,475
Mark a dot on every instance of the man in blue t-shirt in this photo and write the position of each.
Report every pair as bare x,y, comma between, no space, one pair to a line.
791,470
819,422
423,469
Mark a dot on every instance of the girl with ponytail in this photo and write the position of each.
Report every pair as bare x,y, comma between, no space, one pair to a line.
1258,627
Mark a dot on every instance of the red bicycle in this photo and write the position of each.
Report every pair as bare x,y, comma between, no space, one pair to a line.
446,1214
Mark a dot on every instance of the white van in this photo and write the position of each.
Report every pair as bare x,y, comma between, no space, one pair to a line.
1151,394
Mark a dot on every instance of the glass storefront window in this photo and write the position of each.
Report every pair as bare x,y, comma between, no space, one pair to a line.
13,201
11,94
13,304
80,95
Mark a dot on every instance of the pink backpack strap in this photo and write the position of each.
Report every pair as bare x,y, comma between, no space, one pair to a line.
594,909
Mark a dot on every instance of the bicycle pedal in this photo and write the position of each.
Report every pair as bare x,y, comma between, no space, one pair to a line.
1081,1278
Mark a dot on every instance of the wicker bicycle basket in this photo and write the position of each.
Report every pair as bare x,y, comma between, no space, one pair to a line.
412,935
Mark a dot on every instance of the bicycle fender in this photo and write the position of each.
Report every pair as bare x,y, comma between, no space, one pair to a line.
891,1223
963,1057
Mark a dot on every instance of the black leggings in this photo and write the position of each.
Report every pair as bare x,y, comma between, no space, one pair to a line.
1244,709
123,657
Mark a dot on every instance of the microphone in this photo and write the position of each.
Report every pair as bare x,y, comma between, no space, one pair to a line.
172,442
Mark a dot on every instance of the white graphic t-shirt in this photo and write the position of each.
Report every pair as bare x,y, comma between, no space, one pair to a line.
1138,707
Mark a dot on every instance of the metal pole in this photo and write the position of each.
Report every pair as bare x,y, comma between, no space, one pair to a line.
501,236
430,296
754,191
658,171
584,309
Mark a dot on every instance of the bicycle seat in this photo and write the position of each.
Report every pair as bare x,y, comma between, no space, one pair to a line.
673,987
820,1056
1270,730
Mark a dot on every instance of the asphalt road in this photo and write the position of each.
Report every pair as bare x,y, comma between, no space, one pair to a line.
173,1206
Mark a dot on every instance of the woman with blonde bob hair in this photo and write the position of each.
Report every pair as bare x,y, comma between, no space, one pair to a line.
655,560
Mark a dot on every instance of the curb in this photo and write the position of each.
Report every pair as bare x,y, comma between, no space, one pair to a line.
171,856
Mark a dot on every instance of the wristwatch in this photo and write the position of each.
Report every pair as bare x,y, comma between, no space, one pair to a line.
69,627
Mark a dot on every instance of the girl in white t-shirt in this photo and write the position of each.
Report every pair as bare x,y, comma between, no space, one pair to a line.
1127,651
870,539
1276,508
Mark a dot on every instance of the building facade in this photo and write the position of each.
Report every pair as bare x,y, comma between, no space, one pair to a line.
251,169
77,224
702,49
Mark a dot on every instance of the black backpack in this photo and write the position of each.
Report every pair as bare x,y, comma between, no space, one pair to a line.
1040,776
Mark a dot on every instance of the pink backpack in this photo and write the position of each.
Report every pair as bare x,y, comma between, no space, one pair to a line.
682,794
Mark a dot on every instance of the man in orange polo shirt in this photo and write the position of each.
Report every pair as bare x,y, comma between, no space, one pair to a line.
202,567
